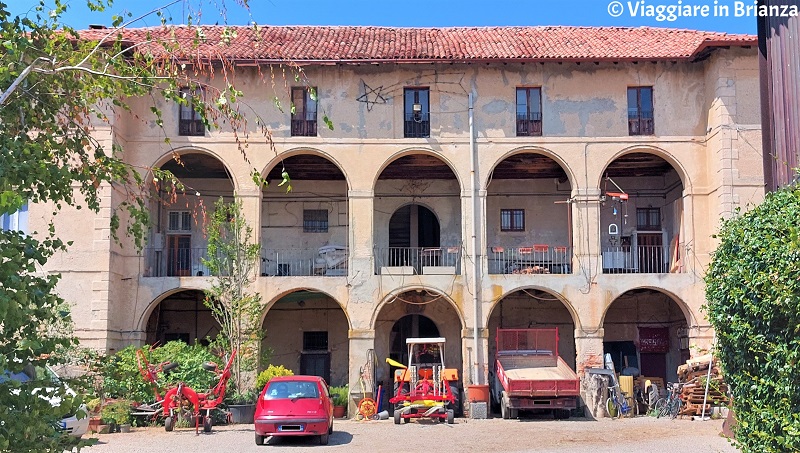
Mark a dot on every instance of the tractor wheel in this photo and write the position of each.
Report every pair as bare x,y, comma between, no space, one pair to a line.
457,407
451,417
259,439
407,420
207,424
169,424
397,416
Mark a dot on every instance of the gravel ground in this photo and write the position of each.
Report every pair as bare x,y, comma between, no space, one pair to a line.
635,435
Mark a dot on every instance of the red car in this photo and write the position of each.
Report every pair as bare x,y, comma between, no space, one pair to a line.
294,406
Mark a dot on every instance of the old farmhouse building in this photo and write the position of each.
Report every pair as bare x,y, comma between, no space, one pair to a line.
475,178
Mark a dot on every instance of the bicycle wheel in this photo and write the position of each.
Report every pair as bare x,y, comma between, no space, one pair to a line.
658,407
612,408
675,408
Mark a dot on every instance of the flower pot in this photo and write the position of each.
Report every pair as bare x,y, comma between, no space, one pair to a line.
125,428
339,411
94,424
242,413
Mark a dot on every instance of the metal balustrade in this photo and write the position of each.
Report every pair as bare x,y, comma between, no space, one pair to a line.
643,259
535,259
325,261
178,262
421,260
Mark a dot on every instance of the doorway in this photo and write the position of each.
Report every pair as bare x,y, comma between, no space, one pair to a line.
651,252
179,259
414,226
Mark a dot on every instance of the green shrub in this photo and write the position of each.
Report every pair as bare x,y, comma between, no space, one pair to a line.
121,377
271,372
753,293
118,411
340,395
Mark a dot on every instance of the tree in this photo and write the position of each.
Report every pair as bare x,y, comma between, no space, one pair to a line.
56,86
753,293
232,261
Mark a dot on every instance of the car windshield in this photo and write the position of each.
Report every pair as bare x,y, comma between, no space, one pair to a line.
291,389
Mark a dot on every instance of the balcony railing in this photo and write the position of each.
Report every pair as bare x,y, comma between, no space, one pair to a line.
529,124
417,125
535,259
326,261
643,259
304,128
418,260
181,262
640,122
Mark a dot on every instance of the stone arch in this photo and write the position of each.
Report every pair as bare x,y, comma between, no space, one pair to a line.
168,156
307,331
282,294
307,151
391,296
141,321
411,151
174,320
691,320
532,150
644,330
654,150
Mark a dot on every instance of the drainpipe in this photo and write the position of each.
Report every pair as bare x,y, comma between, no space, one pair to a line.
476,255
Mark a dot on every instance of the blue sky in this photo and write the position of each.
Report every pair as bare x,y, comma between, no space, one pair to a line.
428,13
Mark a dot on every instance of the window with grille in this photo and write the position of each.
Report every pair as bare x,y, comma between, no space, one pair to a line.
417,110
640,111
304,111
189,122
179,221
512,220
315,221
315,341
648,219
529,112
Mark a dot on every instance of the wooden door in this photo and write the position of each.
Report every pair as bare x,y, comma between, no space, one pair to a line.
179,255
650,252
316,364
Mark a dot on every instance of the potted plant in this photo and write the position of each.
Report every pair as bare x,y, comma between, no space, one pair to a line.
242,406
117,415
340,396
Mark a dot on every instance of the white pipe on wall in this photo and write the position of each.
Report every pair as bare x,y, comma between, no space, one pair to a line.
476,255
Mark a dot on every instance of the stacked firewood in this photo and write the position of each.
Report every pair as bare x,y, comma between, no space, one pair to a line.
693,376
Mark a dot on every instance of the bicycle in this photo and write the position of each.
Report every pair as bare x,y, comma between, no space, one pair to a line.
671,405
617,404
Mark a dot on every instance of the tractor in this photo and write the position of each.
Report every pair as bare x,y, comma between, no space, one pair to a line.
425,388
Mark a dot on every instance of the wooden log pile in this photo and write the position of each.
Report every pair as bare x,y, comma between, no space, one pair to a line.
693,376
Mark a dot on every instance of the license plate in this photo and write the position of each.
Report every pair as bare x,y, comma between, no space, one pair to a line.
291,428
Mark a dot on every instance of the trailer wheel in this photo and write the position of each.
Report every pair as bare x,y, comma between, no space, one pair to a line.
169,424
207,424
561,414
451,417
397,416
458,409
504,408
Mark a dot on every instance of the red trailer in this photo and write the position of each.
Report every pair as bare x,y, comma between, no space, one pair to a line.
530,375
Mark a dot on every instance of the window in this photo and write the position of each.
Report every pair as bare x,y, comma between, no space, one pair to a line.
16,221
417,113
512,220
648,219
304,116
315,341
190,122
315,221
529,112
180,221
640,111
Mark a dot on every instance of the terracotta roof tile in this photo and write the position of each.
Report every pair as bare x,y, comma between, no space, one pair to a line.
329,44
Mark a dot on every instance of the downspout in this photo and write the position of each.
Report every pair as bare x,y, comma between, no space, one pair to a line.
476,255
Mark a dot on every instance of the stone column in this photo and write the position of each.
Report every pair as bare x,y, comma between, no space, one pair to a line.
361,341
589,349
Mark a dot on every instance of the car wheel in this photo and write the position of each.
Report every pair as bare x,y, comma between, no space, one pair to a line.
207,424
330,429
323,439
259,439
169,424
